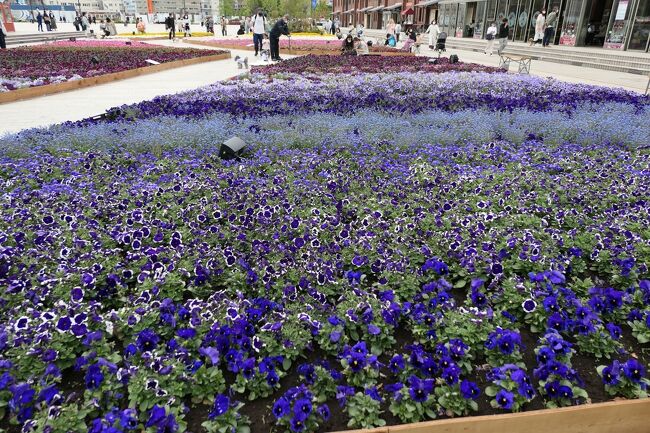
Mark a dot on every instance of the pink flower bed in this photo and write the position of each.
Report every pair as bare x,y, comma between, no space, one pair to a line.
305,45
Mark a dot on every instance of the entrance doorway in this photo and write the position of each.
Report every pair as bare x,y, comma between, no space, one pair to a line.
640,37
595,28
470,20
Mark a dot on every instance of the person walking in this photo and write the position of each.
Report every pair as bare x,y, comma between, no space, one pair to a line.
46,20
504,32
327,26
52,21
187,31
3,33
84,22
390,29
247,25
539,28
258,23
170,24
549,31
433,31
280,28
490,36
224,26
39,20
398,31
110,27
336,26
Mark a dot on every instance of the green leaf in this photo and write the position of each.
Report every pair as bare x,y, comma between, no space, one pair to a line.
460,284
286,364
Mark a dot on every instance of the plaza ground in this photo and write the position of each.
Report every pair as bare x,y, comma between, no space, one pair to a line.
83,103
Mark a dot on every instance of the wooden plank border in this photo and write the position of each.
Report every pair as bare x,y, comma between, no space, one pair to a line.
293,52
50,89
624,416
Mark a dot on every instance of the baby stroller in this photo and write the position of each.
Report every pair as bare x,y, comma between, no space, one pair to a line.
440,43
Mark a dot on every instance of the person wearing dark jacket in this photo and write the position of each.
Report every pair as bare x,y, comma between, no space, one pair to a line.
504,33
170,24
348,48
280,28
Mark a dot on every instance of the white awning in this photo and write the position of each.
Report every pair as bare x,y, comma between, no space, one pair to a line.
393,7
426,3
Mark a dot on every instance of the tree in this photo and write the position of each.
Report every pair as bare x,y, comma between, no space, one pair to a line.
227,8
296,8
322,10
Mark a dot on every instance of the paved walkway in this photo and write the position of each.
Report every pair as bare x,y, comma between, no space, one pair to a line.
91,101
568,73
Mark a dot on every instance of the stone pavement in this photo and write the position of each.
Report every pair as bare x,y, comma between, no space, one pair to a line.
91,101
568,73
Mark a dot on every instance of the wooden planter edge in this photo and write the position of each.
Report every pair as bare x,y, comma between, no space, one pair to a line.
623,416
295,52
50,89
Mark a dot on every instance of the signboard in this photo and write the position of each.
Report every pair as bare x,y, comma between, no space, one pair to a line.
568,39
622,9
616,35
6,17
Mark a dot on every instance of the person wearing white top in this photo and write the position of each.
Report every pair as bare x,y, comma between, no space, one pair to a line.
433,31
398,31
258,22
490,36
539,28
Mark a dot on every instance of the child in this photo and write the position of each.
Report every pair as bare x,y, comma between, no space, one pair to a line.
266,47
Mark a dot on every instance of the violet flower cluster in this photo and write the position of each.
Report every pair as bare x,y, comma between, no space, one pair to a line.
385,237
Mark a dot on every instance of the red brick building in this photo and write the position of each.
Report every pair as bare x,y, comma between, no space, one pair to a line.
375,14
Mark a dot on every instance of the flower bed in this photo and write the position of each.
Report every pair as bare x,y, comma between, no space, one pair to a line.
414,260
68,61
297,45
161,35
316,65
403,92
